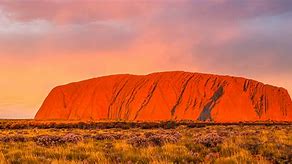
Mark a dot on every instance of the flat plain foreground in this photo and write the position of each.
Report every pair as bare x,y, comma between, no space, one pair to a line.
26,141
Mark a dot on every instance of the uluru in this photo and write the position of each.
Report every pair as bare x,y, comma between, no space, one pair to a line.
167,96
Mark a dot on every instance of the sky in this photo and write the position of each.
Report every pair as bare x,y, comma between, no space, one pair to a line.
46,43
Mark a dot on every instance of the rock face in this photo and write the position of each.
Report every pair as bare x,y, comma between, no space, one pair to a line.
167,96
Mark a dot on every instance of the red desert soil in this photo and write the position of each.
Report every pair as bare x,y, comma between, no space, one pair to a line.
167,96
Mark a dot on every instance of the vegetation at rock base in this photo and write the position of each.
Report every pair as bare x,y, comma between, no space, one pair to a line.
153,143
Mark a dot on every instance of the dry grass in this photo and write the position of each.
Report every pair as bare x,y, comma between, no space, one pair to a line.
178,144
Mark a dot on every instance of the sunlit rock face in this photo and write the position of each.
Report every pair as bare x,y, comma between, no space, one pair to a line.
167,96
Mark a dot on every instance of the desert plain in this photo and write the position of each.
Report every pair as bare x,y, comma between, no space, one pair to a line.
29,141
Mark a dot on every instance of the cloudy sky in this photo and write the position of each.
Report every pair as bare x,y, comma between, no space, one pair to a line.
48,43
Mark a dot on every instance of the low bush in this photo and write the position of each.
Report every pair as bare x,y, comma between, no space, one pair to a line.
51,140
108,136
154,139
210,140
48,140
73,138
15,138
138,142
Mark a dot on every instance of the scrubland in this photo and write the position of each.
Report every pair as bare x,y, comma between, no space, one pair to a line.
166,142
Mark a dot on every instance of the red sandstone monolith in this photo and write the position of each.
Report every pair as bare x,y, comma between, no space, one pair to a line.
167,96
